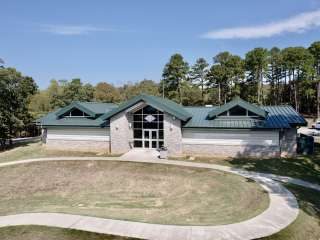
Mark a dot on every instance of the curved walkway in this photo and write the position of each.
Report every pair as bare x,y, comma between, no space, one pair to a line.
282,211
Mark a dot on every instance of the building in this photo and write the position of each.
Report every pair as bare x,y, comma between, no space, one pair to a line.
236,128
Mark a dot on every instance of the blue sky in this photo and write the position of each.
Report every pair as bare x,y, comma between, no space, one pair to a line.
126,41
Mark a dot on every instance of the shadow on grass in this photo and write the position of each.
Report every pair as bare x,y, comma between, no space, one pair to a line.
309,200
302,167
18,144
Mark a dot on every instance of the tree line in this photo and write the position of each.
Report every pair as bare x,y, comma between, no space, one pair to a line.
263,76
62,92
16,91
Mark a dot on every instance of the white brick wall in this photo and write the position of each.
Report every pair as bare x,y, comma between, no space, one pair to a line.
231,151
288,142
120,134
78,145
172,135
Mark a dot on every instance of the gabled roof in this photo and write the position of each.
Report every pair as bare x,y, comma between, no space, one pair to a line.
284,113
99,107
278,117
93,109
237,102
76,105
159,103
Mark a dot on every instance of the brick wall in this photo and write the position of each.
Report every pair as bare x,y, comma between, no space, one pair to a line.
211,150
78,145
172,135
288,142
121,135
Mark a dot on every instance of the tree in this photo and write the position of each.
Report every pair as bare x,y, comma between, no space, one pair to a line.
274,76
15,92
87,93
55,92
256,63
191,94
314,49
226,73
217,77
298,64
174,74
198,75
105,92
75,91
145,86
40,104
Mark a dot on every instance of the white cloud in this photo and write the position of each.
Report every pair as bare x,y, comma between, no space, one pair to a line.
72,29
296,24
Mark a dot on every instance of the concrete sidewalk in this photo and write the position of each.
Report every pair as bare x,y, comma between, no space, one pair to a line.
283,210
141,154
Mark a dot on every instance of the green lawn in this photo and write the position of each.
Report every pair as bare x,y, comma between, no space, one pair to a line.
48,233
37,150
307,225
143,192
302,167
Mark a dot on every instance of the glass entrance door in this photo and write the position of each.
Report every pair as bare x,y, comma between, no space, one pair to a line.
150,138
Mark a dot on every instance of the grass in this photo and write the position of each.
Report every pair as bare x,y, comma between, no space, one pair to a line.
303,167
307,225
51,233
141,192
37,150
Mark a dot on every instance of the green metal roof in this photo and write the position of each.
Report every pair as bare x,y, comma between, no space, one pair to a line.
278,117
73,105
159,103
275,117
237,102
98,107
93,109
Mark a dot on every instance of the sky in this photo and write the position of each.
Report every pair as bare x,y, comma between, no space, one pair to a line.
127,41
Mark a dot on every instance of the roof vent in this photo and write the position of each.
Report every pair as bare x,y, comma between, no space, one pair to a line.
208,105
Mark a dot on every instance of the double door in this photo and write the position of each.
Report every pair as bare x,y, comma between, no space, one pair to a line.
150,138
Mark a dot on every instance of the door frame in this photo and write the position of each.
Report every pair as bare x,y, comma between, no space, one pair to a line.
150,139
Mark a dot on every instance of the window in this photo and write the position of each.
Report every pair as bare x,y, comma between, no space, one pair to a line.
224,113
75,112
137,134
251,114
237,111
148,121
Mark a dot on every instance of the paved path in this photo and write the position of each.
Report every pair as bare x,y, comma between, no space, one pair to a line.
141,154
282,211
